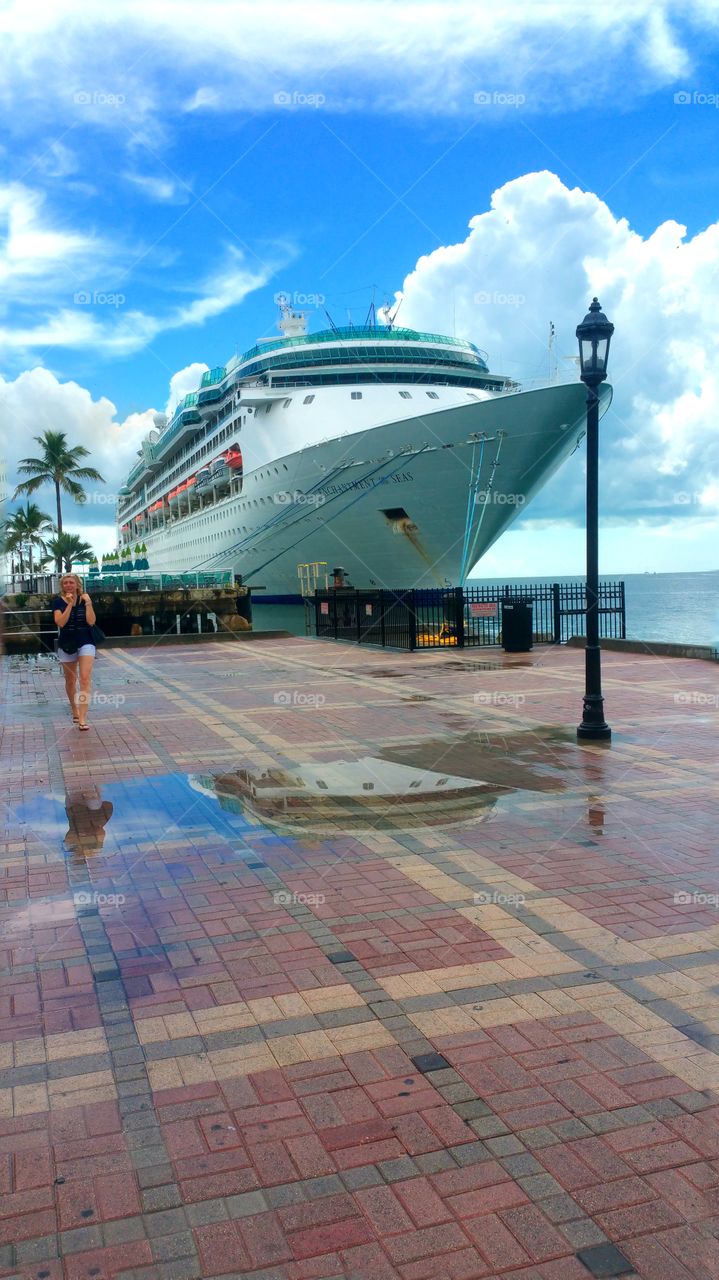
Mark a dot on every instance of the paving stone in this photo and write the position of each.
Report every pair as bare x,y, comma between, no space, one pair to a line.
454,1093
364,1176
123,1230
155,1175
489,1127
245,1205
434,1162
164,1197
38,1250
397,1170
506,1145
467,1153
605,1260
426,1062
315,1188
165,1223
147,1157
539,1185
291,1193
80,1239
179,1244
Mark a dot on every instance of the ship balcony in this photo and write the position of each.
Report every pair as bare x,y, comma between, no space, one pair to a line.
260,395
183,425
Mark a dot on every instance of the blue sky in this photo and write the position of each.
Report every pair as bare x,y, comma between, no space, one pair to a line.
166,171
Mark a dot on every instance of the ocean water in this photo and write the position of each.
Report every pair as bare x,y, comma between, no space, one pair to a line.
679,607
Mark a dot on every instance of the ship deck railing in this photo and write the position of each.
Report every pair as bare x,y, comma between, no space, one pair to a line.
145,580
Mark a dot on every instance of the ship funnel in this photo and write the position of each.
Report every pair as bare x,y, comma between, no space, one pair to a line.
160,420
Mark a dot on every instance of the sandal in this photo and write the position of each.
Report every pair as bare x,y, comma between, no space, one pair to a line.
82,727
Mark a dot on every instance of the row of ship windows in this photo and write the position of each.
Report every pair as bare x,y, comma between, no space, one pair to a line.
195,542
369,786
354,395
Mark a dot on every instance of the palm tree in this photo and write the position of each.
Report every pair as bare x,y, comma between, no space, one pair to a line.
57,465
68,547
27,528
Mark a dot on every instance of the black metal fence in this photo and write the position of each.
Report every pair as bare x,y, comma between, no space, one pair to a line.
462,616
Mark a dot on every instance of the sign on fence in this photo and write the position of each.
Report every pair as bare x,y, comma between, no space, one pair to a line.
324,606
368,610
483,609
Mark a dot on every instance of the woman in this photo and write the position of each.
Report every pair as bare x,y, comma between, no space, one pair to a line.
74,615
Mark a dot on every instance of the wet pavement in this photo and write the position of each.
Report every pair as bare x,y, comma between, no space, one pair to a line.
320,963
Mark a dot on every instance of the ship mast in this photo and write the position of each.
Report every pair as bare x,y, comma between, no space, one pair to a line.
292,324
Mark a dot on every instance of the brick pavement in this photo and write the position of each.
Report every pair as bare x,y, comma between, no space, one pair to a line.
270,1010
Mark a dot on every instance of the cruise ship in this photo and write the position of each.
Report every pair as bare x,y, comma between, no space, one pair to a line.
391,453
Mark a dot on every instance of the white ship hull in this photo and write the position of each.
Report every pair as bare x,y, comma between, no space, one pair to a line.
412,502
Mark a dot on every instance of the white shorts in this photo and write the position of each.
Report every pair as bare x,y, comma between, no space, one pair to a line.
85,651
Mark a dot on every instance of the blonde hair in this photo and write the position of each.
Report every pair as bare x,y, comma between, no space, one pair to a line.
78,582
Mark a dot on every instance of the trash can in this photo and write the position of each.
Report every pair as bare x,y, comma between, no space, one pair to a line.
516,626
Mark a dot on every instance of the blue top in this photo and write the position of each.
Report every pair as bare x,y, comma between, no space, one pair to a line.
77,628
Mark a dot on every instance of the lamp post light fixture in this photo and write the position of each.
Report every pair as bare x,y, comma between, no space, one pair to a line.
594,335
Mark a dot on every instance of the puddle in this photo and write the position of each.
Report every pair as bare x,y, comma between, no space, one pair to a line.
528,760
100,821
239,815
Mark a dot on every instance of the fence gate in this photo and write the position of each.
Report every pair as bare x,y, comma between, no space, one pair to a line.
462,617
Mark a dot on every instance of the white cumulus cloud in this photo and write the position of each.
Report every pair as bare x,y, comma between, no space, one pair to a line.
536,257
182,383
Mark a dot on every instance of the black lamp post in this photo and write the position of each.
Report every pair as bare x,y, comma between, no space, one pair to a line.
594,334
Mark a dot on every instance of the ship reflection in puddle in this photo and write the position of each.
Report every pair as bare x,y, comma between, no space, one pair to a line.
351,795
435,783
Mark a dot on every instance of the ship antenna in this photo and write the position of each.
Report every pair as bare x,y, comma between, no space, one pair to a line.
393,317
331,322
371,318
